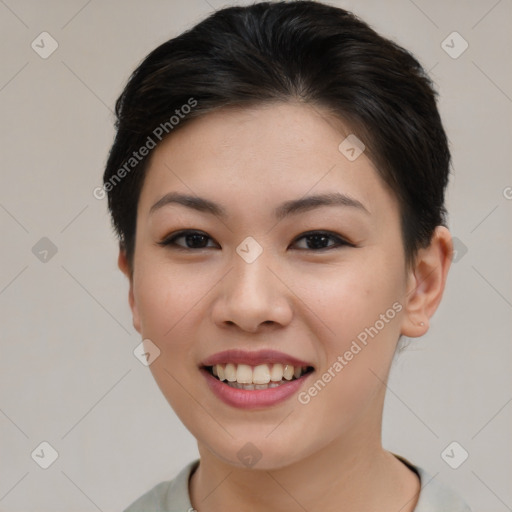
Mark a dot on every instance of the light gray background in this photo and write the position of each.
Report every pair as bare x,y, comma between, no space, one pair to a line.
68,373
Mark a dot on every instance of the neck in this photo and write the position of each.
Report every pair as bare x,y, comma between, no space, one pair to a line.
345,475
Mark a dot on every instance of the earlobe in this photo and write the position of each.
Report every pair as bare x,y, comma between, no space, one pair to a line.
124,266
426,283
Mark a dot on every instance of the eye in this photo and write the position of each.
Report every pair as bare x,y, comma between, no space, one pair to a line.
319,238
195,238
198,240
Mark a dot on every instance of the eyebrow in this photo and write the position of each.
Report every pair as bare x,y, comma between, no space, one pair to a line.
287,208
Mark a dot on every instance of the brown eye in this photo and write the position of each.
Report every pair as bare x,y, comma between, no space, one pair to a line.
193,240
318,240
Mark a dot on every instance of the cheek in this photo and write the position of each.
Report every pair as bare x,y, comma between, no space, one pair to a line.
352,298
165,301
361,307
164,295
362,311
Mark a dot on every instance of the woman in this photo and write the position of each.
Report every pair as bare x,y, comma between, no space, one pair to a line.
277,183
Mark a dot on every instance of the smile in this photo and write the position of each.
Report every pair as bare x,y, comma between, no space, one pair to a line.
262,376
254,379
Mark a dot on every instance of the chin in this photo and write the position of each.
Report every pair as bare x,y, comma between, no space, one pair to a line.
257,453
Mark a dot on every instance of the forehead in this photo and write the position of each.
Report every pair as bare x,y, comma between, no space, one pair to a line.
271,152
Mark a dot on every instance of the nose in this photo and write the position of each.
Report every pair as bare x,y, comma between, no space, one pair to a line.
253,295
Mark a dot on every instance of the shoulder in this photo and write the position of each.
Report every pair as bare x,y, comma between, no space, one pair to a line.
435,496
168,496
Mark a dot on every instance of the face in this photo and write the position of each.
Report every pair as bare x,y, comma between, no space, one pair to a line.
320,287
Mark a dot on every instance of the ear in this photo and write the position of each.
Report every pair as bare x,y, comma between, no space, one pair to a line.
124,266
425,283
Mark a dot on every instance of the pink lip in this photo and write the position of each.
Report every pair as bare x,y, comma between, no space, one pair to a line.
252,399
252,358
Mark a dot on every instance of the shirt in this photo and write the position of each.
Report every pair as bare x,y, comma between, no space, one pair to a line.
173,495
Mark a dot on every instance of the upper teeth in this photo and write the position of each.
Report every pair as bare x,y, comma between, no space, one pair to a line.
261,374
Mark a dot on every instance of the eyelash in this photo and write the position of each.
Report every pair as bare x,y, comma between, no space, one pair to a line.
170,241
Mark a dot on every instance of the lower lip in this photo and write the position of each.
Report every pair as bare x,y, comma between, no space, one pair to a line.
253,398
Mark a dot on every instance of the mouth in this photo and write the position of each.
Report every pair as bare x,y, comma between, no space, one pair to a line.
257,377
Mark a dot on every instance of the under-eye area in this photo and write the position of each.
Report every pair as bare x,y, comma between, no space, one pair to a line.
262,376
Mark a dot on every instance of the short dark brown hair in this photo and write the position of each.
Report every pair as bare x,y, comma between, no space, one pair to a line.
277,52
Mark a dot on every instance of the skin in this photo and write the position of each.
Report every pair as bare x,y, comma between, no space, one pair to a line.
310,303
